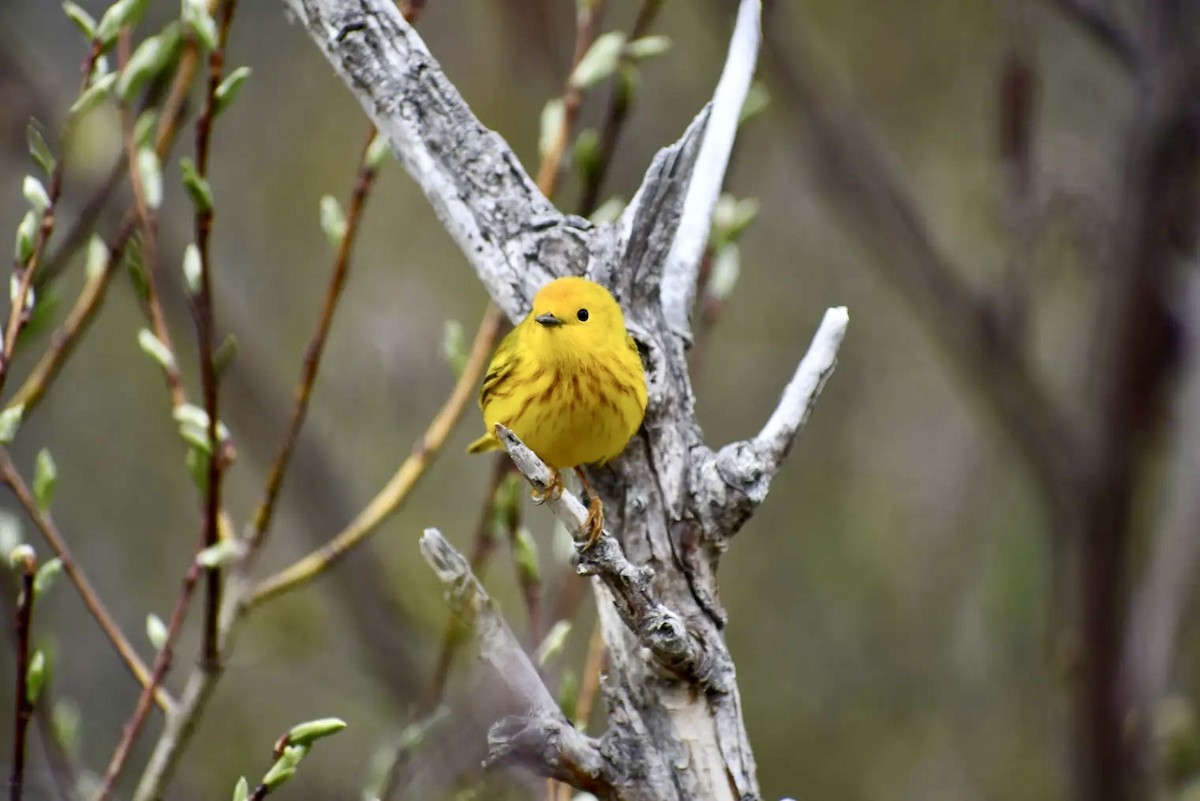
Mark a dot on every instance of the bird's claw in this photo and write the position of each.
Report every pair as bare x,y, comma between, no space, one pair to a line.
552,491
593,526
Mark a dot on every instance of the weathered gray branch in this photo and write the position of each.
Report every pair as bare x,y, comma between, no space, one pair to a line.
675,720
541,738
683,262
659,629
738,476
512,235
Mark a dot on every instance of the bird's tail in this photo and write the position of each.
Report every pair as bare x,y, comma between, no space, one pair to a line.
488,442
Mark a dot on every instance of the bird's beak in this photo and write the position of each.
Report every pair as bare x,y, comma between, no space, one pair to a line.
548,320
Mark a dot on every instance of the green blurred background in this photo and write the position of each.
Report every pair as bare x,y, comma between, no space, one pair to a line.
889,605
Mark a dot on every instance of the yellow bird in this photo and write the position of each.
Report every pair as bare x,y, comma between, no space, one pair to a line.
568,380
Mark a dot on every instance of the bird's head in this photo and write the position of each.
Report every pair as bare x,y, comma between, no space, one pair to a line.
574,312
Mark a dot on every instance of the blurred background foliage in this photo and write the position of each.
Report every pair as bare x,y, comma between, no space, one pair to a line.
889,605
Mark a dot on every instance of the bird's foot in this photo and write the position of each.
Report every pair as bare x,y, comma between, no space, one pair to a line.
551,492
593,526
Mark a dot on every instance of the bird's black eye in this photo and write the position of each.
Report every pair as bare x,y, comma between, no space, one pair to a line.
582,315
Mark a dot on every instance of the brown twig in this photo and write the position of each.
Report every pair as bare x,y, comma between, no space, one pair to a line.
316,347
202,309
619,103
587,22
24,705
162,664
11,478
17,315
398,488
67,336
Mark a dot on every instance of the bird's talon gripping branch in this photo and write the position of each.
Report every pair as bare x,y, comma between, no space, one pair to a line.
593,526
550,492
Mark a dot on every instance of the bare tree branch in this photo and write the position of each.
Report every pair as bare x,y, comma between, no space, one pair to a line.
511,234
659,629
683,262
541,737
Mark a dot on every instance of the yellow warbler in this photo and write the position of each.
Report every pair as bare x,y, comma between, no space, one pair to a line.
568,381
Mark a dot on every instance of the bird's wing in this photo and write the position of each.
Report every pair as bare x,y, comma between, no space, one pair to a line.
503,364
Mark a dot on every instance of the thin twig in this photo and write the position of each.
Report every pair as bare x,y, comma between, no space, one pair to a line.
10,477
18,314
64,340
162,664
397,490
24,705
202,306
619,103
316,347
587,22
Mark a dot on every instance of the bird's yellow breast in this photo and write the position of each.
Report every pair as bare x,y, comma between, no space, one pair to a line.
574,412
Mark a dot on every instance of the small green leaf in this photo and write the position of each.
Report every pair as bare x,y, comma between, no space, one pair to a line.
45,476
553,114
608,211
196,462
97,257
196,17
36,194
22,557
586,154
525,557
726,268
220,554
309,732
647,47
228,89
26,237
156,631
333,221
145,128
241,790
45,576
192,269
756,102
137,267
150,171
93,96
225,354
65,720
628,79
196,185
377,152
600,61
154,347
35,679
10,421
454,346
730,219
285,767
14,290
193,426
119,15
552,644
149,59
10,532
39,149
82,19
